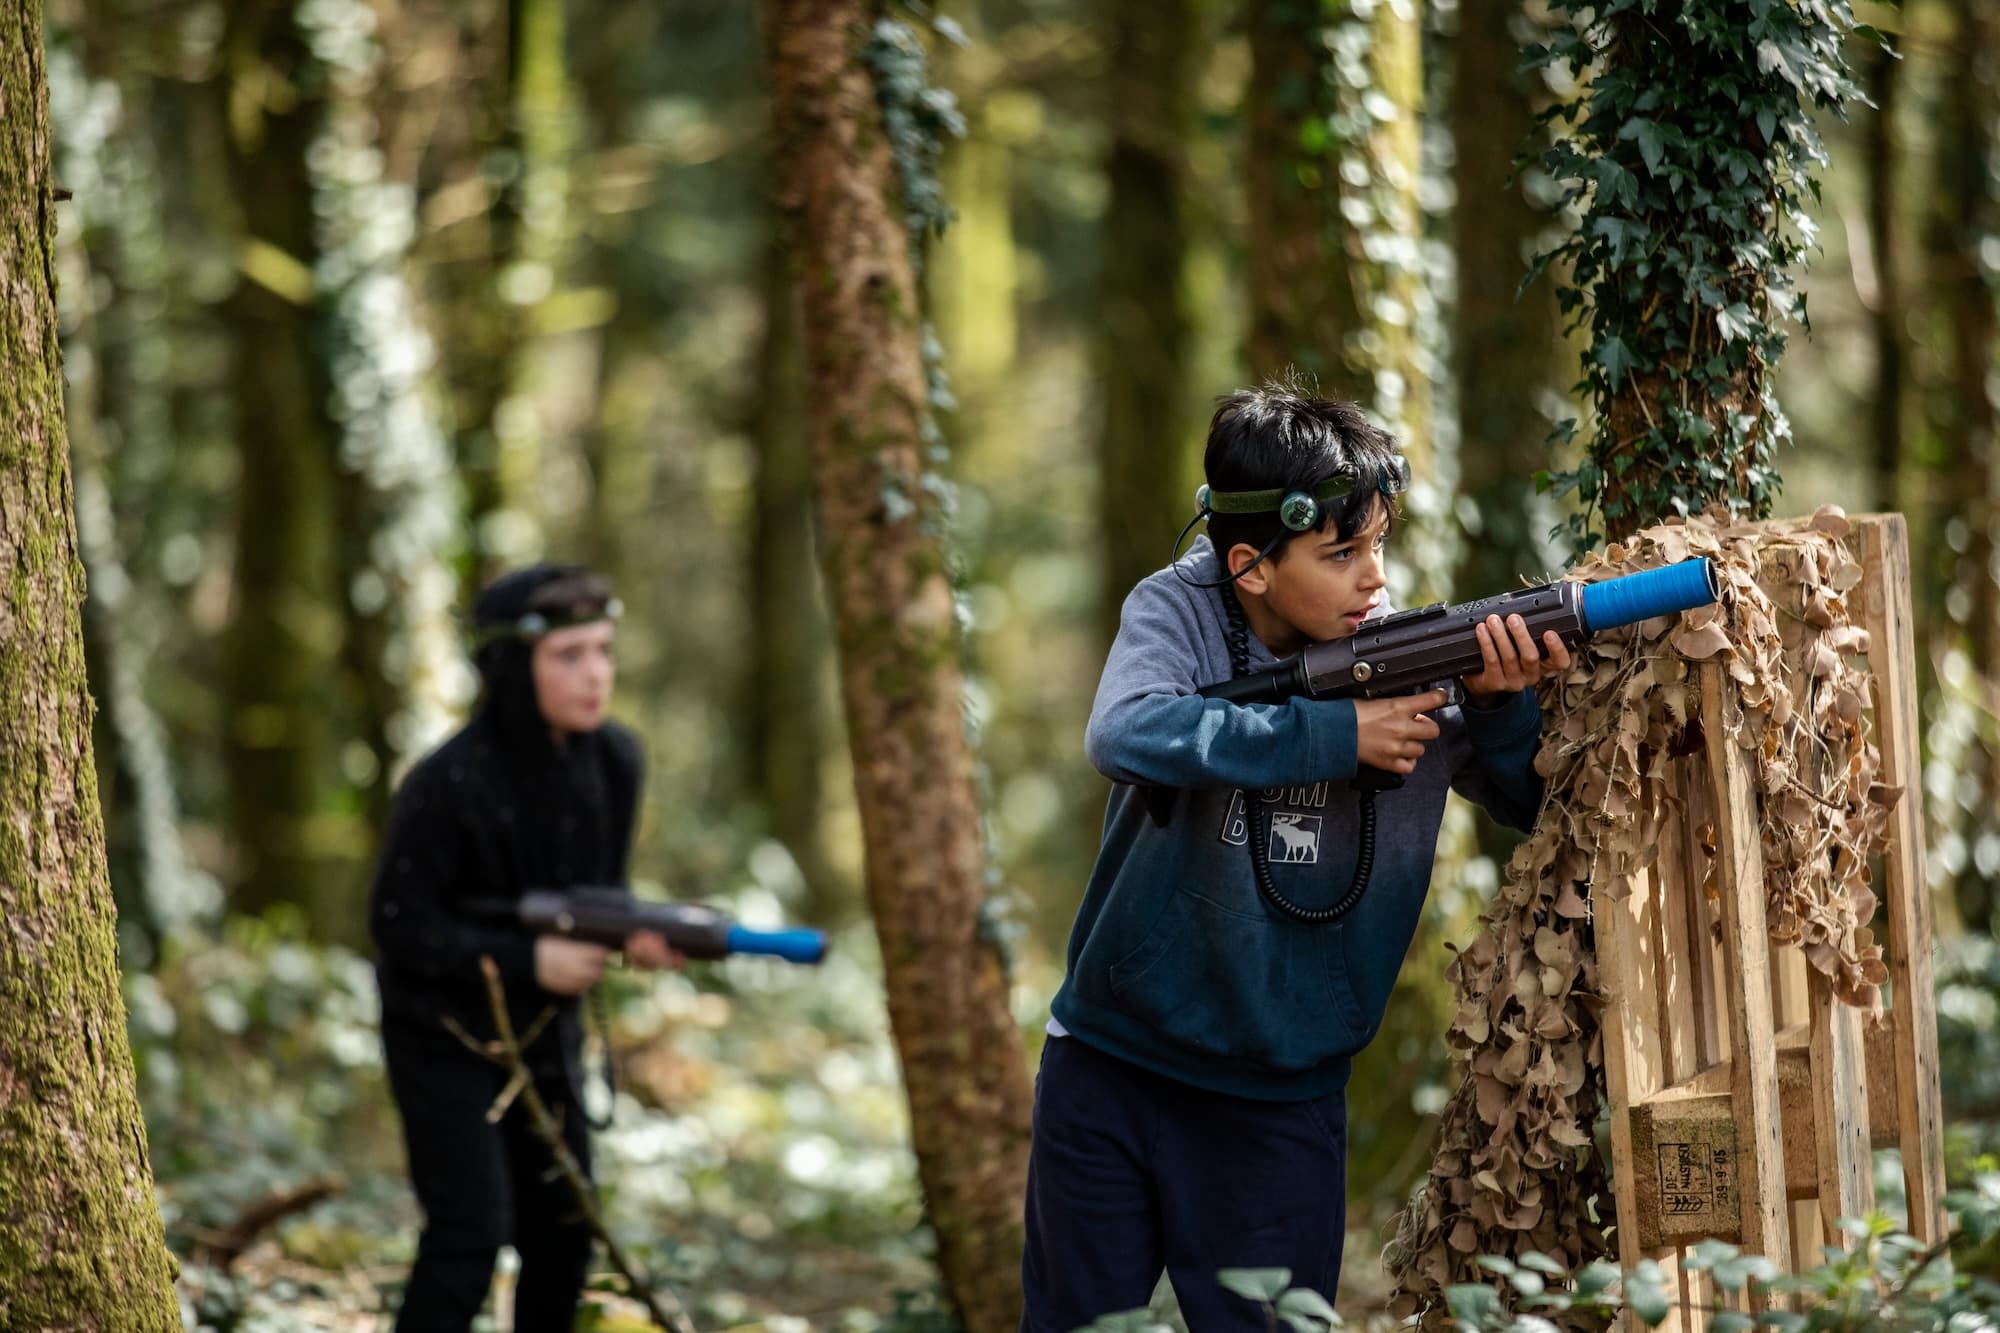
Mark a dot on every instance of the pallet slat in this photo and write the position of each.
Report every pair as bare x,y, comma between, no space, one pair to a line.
1885,603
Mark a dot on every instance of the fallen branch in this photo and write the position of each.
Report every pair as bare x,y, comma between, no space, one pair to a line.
223,1248
663,1305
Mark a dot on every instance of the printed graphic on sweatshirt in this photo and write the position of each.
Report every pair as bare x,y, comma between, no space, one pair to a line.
1294,836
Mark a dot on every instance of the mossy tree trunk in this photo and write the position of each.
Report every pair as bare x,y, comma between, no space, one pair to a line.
81,1242
884,566
286,633
1145,473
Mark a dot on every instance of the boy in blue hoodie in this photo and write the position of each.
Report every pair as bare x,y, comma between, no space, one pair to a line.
1262,872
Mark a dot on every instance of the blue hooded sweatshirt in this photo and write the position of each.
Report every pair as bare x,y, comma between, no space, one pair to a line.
1176,962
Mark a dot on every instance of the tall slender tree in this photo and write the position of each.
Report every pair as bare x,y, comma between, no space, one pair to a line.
1305,308
286,626
789,710
1336,277
1142,344
850,107
1887,314
81,1242
1967,224
1508,348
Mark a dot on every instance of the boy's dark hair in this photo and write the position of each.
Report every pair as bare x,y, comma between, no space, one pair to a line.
1280,436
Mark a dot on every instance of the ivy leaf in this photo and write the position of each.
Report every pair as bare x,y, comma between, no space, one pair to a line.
1646,1294
1304,1303
1255,1284
1652,142
1616,358
1784,61
1735,322
1472,1303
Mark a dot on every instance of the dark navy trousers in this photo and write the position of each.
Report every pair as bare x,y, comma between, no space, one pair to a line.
1132,1174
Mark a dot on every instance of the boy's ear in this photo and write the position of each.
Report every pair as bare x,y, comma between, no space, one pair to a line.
1241,557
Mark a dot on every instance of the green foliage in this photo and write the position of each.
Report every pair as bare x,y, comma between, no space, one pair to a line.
1880,1279
1299,1309
921,120
1690,164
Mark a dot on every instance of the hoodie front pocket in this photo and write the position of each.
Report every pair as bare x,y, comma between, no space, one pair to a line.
1267,993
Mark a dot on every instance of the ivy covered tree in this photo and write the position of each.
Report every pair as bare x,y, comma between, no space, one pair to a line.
857,130
1690,156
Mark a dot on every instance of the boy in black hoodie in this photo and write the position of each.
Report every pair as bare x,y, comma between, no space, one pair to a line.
538,790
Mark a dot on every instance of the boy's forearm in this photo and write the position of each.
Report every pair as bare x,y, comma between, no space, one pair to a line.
1191,742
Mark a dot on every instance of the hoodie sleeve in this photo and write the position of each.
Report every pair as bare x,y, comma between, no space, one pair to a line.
1495,768
418,878
1149,727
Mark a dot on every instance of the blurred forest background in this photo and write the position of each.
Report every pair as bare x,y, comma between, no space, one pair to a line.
365,300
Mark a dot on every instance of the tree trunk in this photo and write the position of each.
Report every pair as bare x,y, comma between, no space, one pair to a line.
493,195
1144,478
1970,218
790,724
81,1243
1885,248
899,655
1692,425
286,632
1336,230
1304,305
1509,351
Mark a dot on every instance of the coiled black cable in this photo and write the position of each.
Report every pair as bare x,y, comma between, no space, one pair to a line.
1260,815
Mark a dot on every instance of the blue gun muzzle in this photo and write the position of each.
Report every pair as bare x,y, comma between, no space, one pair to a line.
1649,593
796,945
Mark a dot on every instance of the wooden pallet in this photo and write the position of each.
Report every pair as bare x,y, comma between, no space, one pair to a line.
1745,1099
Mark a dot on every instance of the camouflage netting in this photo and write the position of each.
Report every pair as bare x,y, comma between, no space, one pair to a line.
1516,1168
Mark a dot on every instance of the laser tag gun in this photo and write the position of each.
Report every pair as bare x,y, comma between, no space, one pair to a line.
1411,651
607,916
1405,652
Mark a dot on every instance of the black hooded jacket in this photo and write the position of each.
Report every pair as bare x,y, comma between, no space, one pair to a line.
496,810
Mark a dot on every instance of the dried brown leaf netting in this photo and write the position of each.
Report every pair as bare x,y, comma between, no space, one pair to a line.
1516,1167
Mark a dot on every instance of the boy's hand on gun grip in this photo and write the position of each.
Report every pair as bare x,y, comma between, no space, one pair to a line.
568,967
1390,733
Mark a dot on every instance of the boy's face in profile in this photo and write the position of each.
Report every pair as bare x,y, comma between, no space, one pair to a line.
1323,588
574,671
